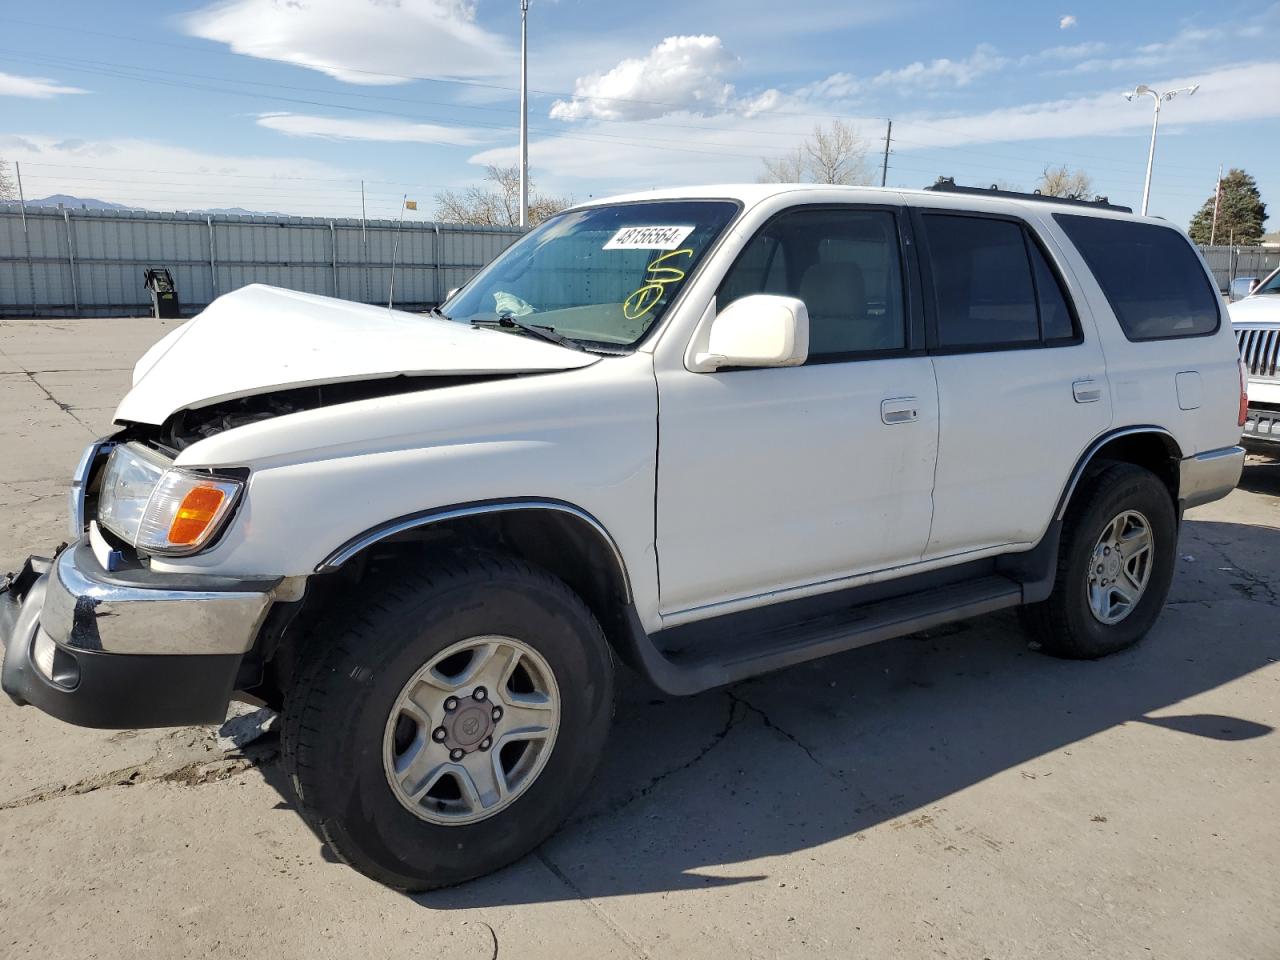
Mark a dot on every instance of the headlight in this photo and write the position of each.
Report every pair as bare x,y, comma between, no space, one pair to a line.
160,508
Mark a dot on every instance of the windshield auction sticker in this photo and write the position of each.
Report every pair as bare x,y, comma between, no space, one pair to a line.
648,238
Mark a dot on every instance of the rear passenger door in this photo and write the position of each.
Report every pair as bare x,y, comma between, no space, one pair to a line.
1021,383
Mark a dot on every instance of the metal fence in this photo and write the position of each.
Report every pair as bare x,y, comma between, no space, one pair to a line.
1227,263
63,262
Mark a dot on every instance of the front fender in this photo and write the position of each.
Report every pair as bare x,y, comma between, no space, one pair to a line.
324,478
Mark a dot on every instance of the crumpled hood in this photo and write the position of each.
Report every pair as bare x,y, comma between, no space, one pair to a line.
260,339
1258,309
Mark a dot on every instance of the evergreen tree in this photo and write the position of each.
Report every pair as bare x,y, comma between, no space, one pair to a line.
1241,213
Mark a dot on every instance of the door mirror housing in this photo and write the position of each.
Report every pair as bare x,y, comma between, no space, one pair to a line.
761,330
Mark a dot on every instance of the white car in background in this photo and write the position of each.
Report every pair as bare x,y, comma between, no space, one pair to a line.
1256,321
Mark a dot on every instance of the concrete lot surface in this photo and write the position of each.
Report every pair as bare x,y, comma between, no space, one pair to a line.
946,795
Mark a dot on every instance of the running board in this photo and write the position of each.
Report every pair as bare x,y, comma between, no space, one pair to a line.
726,659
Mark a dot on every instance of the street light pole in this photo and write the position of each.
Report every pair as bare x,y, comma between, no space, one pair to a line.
524,113
1159,98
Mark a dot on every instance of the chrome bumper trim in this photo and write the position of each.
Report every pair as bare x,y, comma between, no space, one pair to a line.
1209,476
89,609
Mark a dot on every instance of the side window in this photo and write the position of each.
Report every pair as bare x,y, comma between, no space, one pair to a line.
1149,274
1056,323
982,282
846,267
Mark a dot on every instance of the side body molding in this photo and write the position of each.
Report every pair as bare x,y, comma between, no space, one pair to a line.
482,508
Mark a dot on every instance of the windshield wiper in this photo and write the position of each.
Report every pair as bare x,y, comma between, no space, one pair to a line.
540,331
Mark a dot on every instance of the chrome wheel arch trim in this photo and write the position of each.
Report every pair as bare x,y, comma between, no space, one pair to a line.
1092,451
485,508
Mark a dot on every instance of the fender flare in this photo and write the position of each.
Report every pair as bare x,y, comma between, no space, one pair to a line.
1092,451
426,518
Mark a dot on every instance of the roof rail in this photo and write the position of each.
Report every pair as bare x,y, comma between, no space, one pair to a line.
949,185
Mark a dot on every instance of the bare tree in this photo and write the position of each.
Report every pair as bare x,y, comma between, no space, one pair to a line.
496,205
835,155
7,191
1061,182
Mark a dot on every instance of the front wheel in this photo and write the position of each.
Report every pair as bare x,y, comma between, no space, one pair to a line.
1115,564
452,725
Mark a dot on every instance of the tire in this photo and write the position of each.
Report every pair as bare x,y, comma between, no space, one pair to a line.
340,742
1066,625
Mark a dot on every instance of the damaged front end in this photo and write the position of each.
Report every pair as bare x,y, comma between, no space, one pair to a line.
186,427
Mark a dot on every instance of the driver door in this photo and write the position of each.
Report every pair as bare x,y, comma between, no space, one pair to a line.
788,480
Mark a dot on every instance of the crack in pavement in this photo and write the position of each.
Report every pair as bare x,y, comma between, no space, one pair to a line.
654,782
1256,588
64,407
193,774
599,912
785,734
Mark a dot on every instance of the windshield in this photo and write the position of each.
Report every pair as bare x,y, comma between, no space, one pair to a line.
1270,285
601,274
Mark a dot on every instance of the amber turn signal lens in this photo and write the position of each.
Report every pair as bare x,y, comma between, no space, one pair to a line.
197,510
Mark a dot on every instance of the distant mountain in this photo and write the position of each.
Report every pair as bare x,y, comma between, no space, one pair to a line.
76,203
239,212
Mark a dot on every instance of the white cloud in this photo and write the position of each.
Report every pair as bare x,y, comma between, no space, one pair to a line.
355,40
684,71
1189,42
386,130
936,74
37,88
1067,22
728,146
163,176
1074,51
1226,94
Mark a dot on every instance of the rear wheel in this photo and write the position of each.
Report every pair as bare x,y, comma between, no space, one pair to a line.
449,728
1115,564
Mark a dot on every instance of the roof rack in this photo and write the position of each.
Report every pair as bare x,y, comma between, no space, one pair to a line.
949,185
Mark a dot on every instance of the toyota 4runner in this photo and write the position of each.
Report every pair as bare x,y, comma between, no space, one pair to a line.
706,433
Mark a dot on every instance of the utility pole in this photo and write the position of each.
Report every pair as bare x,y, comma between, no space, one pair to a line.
364,243
524,113
1217,197
1141,90
884,169
26,237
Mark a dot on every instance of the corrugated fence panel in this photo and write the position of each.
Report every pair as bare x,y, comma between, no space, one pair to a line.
1227,263
209,255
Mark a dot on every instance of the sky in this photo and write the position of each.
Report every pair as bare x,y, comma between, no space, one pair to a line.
287,105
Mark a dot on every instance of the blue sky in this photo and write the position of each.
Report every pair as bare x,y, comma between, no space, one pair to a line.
288,104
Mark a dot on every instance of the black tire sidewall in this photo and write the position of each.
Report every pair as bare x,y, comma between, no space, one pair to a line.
360,814
1130,488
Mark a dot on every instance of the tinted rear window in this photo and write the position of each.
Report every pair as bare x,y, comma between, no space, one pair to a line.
982,281
1149,274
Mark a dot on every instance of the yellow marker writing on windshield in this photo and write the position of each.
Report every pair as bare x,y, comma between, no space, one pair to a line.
647,297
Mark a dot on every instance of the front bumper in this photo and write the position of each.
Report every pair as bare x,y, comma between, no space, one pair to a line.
127,648
1263,424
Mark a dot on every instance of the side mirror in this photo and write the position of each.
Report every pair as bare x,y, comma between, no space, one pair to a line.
761,330
449,296
1241,287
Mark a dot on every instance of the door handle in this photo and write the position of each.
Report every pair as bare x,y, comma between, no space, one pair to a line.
1086,391
899,410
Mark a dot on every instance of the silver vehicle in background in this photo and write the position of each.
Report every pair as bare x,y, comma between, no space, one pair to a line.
1256,321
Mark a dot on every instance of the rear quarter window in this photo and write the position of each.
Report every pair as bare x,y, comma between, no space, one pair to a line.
1149,274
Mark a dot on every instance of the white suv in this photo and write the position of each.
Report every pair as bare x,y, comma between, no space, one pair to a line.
707,433
1256,321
